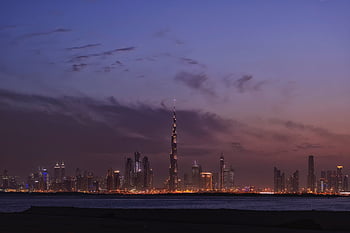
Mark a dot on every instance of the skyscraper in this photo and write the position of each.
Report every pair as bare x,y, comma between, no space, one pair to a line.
278,180
196,175
339,186
146,173
311,178
173,179
128,174
222,167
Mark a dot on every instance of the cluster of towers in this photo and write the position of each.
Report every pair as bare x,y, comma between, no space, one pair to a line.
138,174
210,181
283,185
331,181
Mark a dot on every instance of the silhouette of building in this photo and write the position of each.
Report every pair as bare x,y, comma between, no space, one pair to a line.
147,173
128,175
221,174
339,186
279,181
228,178
116,180
109,180
346,183
311,178
196,175
293,183
173,169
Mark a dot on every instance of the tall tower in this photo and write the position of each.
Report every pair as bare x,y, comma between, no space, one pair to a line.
311,178
173,179
222,167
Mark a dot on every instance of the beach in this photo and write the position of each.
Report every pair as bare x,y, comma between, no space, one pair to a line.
69,219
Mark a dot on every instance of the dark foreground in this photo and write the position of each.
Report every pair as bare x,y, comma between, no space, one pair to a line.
70,220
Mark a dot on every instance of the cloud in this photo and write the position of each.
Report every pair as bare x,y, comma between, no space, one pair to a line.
318,131
190,61
78,67
105,53
60,127
195,81
83,46
244,83
36,34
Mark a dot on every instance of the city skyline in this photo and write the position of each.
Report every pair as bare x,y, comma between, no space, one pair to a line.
266,83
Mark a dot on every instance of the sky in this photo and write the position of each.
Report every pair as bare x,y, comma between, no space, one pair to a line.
267,83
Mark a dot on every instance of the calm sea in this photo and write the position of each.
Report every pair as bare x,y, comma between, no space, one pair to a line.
20,202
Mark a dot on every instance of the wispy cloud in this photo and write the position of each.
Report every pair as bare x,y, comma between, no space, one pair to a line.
195,81
104,53
36,34
244,84
78,67
190,61
83,46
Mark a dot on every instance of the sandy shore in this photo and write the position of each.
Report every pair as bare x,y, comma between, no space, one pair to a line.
70,220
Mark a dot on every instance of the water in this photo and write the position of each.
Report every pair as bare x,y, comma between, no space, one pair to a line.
21,202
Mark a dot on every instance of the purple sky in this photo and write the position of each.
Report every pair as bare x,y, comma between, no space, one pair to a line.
90,82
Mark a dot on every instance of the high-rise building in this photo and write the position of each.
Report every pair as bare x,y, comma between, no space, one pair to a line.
57,173
206,181
173,169
128,176
228,178
293,183
109,180
116,180
63,172
196,175
346,183
222,167
137,174
5,180
279,181
323,185
339,186
311,178
146,167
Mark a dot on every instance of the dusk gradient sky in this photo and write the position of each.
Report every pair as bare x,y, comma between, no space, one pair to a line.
89,82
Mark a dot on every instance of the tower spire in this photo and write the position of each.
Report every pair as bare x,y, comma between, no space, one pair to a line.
173,179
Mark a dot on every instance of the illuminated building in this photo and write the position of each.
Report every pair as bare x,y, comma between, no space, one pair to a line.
57,173
339,186
116,180
206,181
222,167
173,169
137,172
323,185
311,178
5,180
